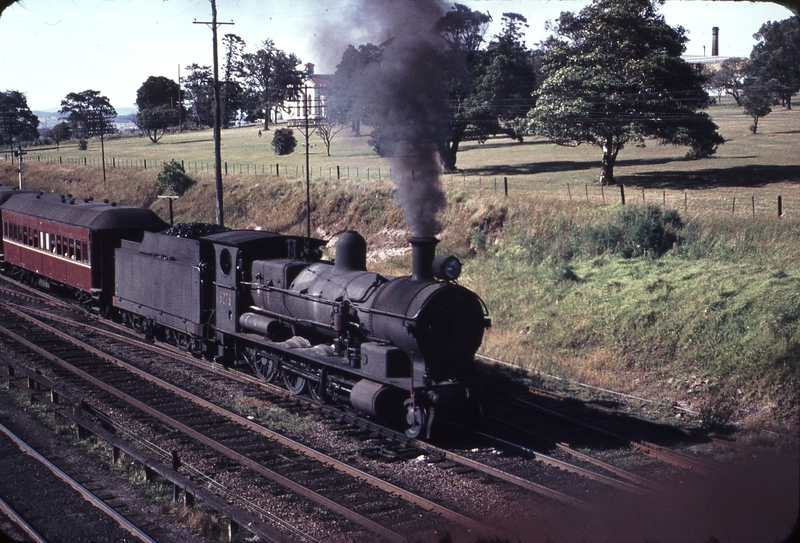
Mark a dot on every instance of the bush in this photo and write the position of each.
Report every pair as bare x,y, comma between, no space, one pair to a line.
173,178
283,141
635,232
83,144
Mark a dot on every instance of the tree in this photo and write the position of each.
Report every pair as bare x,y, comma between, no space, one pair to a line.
327,129
463,30
758,103
505,78
17,121
88,113
231,91
730,78
776,57
614,75
159,100
272,76
60,132
199,85
348,94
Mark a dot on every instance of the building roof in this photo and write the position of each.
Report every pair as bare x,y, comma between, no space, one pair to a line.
85,213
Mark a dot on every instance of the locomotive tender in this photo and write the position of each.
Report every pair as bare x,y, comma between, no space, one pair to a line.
399,349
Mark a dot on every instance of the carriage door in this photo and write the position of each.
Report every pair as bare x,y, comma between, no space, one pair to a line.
228,271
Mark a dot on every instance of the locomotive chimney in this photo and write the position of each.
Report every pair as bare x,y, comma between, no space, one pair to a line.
715,41
423,251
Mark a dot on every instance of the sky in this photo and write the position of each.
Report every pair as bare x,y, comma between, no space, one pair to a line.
49,48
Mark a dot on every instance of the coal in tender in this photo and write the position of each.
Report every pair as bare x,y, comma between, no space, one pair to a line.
194,230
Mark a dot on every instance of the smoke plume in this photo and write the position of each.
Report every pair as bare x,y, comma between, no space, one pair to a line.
406,90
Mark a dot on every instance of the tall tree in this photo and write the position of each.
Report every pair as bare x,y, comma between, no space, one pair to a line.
272,76
775,59
348,94
614,76
159,99
199,85
463,30
17,121
90,114
231,90
505,78
730,78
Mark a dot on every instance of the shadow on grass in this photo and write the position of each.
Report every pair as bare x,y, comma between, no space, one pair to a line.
204,140
556,166
751,175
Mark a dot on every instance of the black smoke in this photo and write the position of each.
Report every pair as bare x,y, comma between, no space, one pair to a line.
406,93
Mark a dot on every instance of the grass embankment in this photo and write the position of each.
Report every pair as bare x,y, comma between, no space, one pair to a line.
713,323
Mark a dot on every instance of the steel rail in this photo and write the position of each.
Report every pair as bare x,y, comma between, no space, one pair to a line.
314,496
17,519
124,523
640,483
651,449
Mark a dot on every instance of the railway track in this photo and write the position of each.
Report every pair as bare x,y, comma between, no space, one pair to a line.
498,461
240,441
54,490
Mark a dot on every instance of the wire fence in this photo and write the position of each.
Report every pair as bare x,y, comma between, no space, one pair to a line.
759,201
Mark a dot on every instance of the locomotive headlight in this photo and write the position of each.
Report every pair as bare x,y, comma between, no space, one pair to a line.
446,267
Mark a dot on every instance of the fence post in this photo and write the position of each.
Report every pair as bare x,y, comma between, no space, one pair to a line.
643,202
622,193
733,206
505,185
753,204
685,203
277,170
603,194
586,188
569,192
780,206
338,173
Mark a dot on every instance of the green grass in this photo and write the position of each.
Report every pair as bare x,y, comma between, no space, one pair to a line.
718,309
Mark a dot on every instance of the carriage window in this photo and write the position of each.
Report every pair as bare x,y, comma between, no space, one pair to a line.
35,239
85,252
78,251
72,248
58,246
5,229
24,235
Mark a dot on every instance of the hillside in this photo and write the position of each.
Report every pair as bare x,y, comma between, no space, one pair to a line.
691,299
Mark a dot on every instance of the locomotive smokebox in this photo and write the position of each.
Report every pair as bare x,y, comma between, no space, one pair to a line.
423,251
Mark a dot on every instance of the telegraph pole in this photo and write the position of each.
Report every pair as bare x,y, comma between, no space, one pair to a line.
217,112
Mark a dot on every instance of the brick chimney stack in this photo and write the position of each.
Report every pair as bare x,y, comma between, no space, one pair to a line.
715,41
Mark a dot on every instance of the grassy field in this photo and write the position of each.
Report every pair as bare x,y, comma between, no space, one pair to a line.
712,325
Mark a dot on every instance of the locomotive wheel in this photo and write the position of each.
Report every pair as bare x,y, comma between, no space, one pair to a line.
266,366
317,388
414,422
294,382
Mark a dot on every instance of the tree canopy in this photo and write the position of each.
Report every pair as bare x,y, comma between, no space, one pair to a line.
775,59
159,101
614,76
88,113
17,121
272,77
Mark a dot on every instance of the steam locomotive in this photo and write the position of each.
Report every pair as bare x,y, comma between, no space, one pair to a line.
398,349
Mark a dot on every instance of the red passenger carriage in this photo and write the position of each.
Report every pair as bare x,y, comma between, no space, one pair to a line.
69,241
